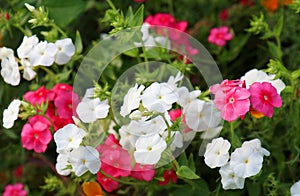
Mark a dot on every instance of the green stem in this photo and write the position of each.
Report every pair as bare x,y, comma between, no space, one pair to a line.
59,29
232,133
23,30
48,71
121,181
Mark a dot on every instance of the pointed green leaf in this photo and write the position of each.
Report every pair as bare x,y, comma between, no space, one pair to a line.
78,43
278,27
187,173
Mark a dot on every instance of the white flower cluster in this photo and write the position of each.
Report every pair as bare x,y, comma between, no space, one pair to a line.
11,114
90,109
148,109
244,162
33,53
74,157
150,41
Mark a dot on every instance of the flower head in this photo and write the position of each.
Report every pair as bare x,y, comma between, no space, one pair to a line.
264,98
11,114
132,99
107,183
39,96
35,134
43,54
219,36
143,172
168,175
66,50
16,189
216,154
229,178
92,189
66,103
26,46
10,71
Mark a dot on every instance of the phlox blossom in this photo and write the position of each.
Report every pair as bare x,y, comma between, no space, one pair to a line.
65,50
39,96
63,164
264,98
16,189
219,36
143,172
26,46
107,183
169,175
35,134
43,54
11,114
229,178
66,103
295,189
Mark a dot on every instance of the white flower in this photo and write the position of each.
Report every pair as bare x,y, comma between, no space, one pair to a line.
159,97
149,149
132,99
28,74
150,41
256,145
62,164
211,132
11,114
229,179
186,97
246,162
83,159
295,189
255,75
6,53
201,115
216,154
89,94
26,46
10,71
43,54
173,81
66,50
68,138
90,111
149,127
127,139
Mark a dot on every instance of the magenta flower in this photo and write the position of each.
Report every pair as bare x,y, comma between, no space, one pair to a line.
143,172
35,134
39,96
231,99
66,103
14,190
264,98
219,36
168,175
107,183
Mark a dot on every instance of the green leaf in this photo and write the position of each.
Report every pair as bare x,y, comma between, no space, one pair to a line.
187,173
10,134
138,17
296,74
192,163
274,50
182,159
78,43
278,27
132,53
64,12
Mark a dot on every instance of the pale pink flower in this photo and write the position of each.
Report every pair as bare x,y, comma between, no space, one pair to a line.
264,98
219,36
36,135
14,190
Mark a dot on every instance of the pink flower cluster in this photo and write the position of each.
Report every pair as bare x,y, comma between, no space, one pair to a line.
36,133
14,190
219,36
234,100
178,40
117,162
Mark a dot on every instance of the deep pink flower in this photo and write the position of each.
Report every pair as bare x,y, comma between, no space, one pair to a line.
174,114
61,122
143,172
162,19
219,36
66,103
18,173
39,96
16,189
115,160
107,183
224,15
168,175
60,88
264,98
35,134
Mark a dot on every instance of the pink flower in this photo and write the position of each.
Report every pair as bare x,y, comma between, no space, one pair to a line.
174,114
14,190
39,96
264,98
107,183
61,122
35,134
60,88
143,172
219,36
231,99
18,173
168,175
162,19
115,160
66,103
